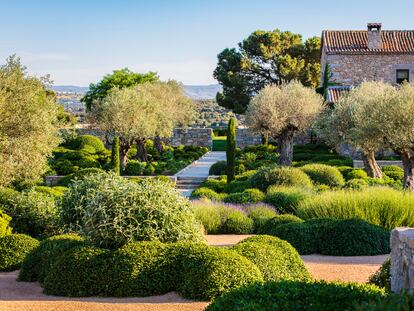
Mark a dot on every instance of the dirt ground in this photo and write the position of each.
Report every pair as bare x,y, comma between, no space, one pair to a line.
21,296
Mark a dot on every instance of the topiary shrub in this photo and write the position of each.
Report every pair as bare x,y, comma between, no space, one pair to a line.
269,226
296,296
218,168
115,156
286,199
106,209
65,181
208,272
214,184
260,214
13,250
276,260
5,229
283,176
88,141
245,175
357,174
203,192
324,174
39,261
238,223
356,184
382,277
237,186
247,196
394,172
134,168
33,213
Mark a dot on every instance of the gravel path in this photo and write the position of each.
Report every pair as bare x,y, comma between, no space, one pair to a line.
28,296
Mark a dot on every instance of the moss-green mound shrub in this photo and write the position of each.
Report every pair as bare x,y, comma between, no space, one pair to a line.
39,261
247,196
218,185
351,237
134,168
281,262
382,277
5,229
207,193
237,222
65,181
13,250
286,199
218,168
33,213
356,184
381,206
324,174
271,224
106,209
245,175
92,143
296,296
357,173
394,172
237,186
282,176
260,214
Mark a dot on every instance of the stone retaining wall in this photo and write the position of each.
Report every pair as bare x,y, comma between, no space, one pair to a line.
245,138
402,259
360,164
201,137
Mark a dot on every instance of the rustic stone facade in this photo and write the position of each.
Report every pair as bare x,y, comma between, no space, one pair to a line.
402,259
201,137
352,69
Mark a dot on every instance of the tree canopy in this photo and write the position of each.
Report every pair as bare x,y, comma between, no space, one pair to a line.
265,57
28,124
283,110
118,79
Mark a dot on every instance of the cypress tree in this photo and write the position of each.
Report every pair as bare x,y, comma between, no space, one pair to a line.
116,162
231,149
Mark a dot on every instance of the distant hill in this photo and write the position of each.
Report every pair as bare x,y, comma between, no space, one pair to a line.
193,91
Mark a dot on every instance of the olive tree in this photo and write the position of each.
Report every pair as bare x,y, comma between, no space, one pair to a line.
283,110
357,119
28,124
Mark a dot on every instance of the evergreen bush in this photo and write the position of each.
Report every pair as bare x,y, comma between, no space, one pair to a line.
324,175
13,250
231,150
115,156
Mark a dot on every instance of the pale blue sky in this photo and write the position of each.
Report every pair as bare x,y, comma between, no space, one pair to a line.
78,41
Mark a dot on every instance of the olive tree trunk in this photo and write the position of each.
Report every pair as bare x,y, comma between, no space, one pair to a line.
370,164
285,144
265,137
141,151
124,147
407,158
158,144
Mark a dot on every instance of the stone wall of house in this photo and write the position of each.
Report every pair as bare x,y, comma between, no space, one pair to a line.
201,137
402,259
352,69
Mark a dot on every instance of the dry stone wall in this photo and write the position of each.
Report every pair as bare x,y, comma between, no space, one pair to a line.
402,259
201,137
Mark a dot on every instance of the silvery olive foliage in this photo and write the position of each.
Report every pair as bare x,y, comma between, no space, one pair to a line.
110,211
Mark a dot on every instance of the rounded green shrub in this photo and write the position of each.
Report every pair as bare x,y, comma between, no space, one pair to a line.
286,199
357,173
88,141
33,213
324,174
247,196
394,172
135,168
297,296
275,262
5,229
65,181
245,175
238,223
13,250
39,261
55,192
271,224
260,214
382,277
110,211
356,184
214,184
279,175
218,168
208,272
203,192
237,186
88,162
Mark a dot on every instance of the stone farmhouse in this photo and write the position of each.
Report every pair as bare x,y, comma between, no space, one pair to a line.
354,56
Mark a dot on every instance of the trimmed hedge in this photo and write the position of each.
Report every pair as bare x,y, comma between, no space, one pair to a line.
277,260
39,261
394,302
91,142
282,176
324,174
286,199
247,196
352,237
296,296
238,223
218,168
269,226
5,229
13,250
237,186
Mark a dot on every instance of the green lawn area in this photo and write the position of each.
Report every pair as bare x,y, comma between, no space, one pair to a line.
219,143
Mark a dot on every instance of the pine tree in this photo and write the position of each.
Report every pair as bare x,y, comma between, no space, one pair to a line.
231,149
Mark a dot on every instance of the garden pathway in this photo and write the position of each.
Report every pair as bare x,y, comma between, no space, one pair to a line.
194,174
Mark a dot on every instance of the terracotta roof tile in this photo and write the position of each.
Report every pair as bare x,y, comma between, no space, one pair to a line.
356,41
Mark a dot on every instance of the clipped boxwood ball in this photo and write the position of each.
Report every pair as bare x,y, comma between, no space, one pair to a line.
276,263
269,226
238,223
5,219
218,168
90,142
13,250
297,296
39,261
324,174
247,196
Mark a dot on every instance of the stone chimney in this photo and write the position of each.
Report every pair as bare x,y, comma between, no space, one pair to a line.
374,36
